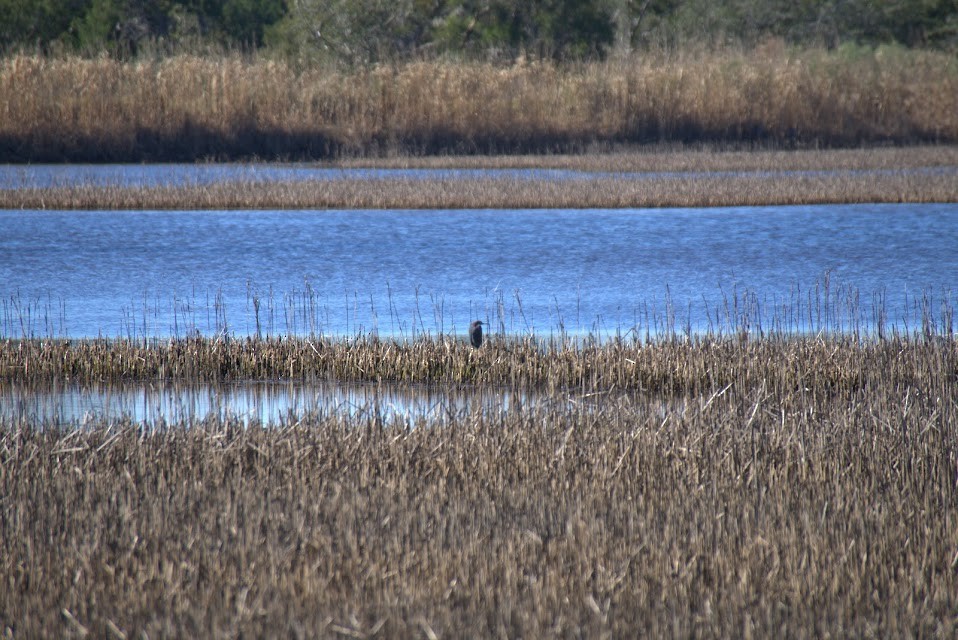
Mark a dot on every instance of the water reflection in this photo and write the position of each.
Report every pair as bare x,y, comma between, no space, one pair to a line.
267,403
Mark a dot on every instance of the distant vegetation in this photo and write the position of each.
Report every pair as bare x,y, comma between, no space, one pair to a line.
188,107
363,31
126,80
673,178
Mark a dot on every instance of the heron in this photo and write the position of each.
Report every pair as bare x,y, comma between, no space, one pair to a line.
475,334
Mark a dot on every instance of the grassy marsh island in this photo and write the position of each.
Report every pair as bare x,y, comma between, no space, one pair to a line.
722,486
680,178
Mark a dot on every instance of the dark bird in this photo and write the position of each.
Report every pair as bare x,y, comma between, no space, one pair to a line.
475,334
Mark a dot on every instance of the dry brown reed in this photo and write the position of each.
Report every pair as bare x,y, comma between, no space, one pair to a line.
709,179
684,158
789,489
679,365
185,107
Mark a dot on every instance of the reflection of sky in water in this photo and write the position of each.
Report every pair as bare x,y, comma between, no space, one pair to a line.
268,403
398,274
151,175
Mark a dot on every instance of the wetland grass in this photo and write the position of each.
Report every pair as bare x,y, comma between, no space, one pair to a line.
187,108
825,331
791,490
929,178
715,485
696,366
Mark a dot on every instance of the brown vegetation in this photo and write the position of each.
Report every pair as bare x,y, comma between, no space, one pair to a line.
687,159
709,179
720,486
675,365
186,108
802,488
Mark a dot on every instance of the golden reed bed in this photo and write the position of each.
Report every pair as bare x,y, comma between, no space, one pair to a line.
668,179
189,108
771,488
678,364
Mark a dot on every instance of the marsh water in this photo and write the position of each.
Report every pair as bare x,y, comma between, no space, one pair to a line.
256,402
402,274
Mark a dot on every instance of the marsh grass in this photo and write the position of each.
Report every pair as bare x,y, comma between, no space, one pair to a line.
802,489
600,191
686,159
719,484
692,366
661,352
188,108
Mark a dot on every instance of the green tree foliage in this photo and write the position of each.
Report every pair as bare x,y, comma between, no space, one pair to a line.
37,23
246,20
354,31
120,25
547,28
364,31
806,22
123,26
367,31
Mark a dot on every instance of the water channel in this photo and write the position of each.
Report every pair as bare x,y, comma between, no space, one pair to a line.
179,174
402,274
258,402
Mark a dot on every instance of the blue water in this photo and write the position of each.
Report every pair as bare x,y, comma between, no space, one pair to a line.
402,273
262,402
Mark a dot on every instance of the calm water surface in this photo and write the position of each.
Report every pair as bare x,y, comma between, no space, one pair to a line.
267,403
283,403
402,273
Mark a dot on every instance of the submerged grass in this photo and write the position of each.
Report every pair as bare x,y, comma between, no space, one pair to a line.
188,108
801,488
651,179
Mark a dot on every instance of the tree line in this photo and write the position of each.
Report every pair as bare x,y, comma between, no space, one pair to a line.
369,31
